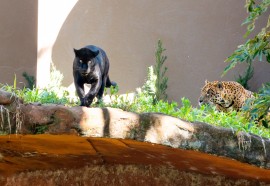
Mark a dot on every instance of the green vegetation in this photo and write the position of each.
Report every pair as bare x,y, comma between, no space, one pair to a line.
39,129
258,109
31,81
255,49
248,74
53,93
237,121
145,100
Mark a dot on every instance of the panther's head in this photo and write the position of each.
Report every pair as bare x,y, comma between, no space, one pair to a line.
214,93
84,59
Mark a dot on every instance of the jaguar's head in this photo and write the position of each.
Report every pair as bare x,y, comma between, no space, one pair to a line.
213,94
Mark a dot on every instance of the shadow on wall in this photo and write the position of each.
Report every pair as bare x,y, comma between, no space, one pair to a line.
128,32
78,30
128,41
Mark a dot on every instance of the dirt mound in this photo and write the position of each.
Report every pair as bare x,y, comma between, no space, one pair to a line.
148,148
71,160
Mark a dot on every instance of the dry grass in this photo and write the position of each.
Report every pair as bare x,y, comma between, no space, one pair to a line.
10,116
120,175
5,118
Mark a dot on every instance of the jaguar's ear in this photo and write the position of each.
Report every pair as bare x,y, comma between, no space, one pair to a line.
206,81
219,85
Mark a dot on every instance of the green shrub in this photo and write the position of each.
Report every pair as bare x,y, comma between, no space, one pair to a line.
257,109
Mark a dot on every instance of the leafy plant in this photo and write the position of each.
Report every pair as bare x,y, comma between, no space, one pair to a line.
248,74
258,108
258,46
31,81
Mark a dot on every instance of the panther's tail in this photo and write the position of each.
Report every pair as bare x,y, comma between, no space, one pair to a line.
110,83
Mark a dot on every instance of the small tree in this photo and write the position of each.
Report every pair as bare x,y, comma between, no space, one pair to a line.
159,71
156,82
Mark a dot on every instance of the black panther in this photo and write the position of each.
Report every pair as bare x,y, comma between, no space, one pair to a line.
91,66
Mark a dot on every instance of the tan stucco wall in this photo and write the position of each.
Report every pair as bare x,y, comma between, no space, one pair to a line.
198,36
51,16
18,40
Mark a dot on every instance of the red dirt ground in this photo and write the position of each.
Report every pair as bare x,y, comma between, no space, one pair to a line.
23,154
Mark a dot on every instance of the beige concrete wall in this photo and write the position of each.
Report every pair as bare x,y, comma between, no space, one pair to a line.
198,36
18,39
51,16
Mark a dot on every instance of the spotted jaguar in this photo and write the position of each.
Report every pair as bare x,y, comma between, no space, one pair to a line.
224,95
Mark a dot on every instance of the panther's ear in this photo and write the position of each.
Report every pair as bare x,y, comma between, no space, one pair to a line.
206,81
95,53
75,52
92,54
219,85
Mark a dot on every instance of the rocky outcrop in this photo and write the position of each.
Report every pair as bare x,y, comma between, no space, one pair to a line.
148,127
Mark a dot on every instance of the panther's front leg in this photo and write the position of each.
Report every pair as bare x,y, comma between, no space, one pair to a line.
89,97
80,92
